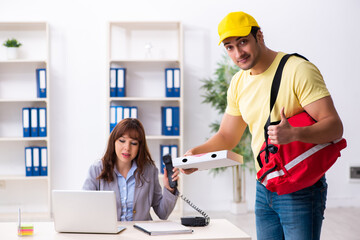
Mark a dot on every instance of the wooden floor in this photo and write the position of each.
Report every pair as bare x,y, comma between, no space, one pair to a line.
339,223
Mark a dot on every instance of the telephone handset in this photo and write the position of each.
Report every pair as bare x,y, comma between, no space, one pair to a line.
187,221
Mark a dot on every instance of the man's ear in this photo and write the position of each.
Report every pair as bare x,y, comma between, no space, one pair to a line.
260,36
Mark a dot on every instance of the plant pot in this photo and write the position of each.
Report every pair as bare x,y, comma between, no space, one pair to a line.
12,53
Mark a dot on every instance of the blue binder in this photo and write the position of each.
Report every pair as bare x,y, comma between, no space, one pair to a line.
119,113
112,117
42,122
126,112
113,84
28,161
176,91
174,151
164,149
169,82
176,121
166,121
43,161
121,81
41,82
133,112
26,122
36,161
34,125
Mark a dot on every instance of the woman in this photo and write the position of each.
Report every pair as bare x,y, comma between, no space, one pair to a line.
128,169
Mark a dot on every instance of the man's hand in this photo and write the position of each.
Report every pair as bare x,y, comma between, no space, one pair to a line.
281,133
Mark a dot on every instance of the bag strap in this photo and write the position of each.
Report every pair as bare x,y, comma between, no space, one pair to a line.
273,95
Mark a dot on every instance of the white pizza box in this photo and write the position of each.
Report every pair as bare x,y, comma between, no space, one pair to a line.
208,160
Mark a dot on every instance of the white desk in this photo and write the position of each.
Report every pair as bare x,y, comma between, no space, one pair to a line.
217,229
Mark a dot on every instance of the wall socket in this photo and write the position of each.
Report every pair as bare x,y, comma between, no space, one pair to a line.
2,184
354,172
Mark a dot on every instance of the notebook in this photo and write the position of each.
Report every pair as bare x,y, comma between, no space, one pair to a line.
85,211
223,158
162,228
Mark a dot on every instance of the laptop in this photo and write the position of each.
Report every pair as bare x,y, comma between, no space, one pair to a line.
85,211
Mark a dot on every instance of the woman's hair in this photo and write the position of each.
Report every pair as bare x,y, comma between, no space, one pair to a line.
135,130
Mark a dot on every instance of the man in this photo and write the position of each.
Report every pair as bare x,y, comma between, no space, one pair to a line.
297,215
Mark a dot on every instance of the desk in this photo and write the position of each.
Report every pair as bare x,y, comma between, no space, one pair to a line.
217,229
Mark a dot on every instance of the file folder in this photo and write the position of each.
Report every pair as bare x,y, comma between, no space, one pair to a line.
119,113
113,84
34,126
41,82
42,122
43,161
36,161
176,91
126,112
28,161
166,121
169,79
26,122
112,117
164,149
133,112
121,79
176,121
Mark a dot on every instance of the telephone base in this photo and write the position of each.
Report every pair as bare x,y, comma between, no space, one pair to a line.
193,221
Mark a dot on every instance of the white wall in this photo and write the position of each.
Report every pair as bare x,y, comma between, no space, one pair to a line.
326,32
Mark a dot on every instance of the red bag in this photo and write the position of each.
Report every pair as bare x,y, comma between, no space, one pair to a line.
297,165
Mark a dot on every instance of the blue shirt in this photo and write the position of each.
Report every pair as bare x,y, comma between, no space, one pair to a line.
127,189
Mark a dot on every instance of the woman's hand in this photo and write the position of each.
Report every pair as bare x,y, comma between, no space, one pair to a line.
175,177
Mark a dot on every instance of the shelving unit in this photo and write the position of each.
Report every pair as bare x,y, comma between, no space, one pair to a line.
145,49
18,90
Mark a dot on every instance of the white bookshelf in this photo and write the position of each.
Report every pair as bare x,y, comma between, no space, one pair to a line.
18,90
145,77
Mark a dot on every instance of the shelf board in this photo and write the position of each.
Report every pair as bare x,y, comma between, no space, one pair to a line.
22,178
9,100
146,99
24,61
144,60
162,137
22,139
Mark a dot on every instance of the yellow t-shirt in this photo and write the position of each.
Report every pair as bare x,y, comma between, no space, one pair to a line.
249,95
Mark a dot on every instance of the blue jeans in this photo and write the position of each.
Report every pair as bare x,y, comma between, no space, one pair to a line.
294,216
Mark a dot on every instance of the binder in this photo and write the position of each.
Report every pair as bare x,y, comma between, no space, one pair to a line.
42,122
41,82
126,113
133,112
169,79
28,161
113,84
34,126
176,121
119,113
112,117
36,161
174,151
121,79
43,161
164,149
176,91
166,121
26,122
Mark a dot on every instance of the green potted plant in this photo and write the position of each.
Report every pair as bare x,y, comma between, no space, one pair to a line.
215,93
12,48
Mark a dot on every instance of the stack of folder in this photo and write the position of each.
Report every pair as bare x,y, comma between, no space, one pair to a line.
167,149
36,163
34,122
117,82
172,82
118,113
26,230
41,82
170,121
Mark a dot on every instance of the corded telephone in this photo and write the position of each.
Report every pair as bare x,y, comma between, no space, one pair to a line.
187,221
